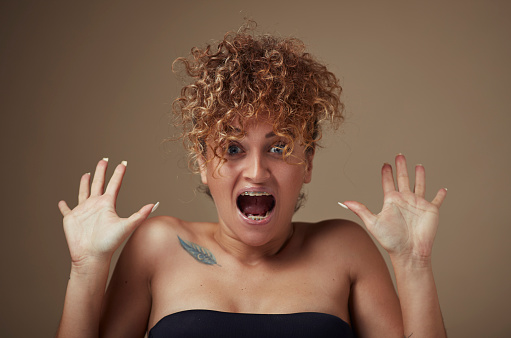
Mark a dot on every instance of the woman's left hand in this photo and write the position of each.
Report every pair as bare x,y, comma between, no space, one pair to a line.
407,223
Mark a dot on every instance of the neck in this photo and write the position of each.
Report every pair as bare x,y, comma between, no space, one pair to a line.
252,253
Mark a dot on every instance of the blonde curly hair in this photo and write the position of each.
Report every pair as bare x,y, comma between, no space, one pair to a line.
245,76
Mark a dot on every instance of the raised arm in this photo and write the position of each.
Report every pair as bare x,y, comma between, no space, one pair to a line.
406,228
93,232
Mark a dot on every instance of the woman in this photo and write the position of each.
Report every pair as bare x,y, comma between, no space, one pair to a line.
251,120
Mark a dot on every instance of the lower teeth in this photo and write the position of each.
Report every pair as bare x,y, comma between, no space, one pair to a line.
257,218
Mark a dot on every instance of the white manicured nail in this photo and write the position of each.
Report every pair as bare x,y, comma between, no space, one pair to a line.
155,207
105,159
124,163
343,205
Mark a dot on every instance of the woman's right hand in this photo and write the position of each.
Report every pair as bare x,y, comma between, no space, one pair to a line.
93,229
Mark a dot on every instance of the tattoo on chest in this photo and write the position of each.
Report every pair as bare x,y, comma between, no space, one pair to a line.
198,252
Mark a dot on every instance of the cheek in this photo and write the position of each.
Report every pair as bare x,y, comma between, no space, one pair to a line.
292,177
227,171
213,170
220,181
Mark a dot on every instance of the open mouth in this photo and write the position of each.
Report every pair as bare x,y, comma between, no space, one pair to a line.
255,205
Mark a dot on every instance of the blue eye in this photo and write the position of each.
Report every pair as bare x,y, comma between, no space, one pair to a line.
233,149
278,148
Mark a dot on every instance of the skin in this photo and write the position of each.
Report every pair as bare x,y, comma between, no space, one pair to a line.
256,163
279,267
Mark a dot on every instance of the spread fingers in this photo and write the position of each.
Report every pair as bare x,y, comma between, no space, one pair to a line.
98,183
387,178
403,182
420,180
84,190
115,182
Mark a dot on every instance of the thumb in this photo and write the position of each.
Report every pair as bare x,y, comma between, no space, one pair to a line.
361,211
140,216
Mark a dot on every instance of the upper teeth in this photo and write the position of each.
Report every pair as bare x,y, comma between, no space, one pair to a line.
255,193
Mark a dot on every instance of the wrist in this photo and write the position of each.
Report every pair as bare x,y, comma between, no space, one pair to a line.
410,261
90,267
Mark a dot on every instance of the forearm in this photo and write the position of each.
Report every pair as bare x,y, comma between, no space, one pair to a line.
84,297
418,298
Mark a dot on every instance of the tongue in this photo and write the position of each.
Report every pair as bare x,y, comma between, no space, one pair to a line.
255,205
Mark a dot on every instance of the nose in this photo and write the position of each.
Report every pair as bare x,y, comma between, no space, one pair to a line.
257,170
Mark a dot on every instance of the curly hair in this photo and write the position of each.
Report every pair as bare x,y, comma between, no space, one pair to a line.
248,75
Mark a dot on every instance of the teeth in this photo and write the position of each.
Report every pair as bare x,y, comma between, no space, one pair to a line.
257,218
255,193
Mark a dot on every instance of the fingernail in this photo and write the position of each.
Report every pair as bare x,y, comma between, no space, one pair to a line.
343,205
124,163
155,207
419,165
105,159
445,189
399,154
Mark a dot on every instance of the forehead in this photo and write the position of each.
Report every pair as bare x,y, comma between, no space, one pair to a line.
254,125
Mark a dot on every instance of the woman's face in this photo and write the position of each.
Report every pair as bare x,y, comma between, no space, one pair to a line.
256,190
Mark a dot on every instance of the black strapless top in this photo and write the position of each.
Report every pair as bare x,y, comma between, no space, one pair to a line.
211,324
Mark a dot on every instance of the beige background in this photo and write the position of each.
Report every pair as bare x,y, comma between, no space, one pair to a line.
84,80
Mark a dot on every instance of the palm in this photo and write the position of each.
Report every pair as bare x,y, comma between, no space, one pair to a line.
407,223
94,225
93,229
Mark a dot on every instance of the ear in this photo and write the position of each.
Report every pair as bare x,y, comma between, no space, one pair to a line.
309,157
203,170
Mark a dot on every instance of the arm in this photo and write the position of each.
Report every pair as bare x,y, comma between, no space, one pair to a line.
84,296
406,229
374,306
93,233
418,298
128,299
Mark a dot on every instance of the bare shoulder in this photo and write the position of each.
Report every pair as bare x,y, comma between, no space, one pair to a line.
156,229
336,231
157,235
343,239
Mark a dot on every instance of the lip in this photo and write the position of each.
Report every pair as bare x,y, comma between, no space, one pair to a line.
249,220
